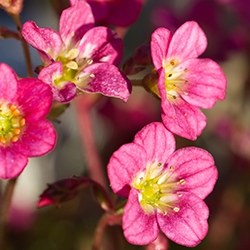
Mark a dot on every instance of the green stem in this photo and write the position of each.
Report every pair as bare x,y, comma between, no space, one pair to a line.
5,208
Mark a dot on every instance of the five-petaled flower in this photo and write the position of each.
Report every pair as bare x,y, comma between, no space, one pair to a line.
165,188
80,57
24,130
185,82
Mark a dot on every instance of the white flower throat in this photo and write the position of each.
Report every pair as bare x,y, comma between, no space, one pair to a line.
157,188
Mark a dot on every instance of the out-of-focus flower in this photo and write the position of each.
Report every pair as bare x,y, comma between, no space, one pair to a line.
223,37
24,130
13,7
185,82
80,56
115,12
165,189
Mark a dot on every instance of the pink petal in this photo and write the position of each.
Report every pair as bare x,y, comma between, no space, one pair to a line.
123,165
196,167
189,226
63,92
123,12
159,45
206,83
157,141
139,228
183,119
8,83
100,44
44,39
11,163
189,41
75,21
107,80
35,98
38,139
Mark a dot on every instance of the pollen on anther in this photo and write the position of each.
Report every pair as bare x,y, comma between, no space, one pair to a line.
176,209
14,138
17,131
22,122
159,164
182,181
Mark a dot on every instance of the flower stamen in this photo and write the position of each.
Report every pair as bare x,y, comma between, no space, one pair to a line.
11,124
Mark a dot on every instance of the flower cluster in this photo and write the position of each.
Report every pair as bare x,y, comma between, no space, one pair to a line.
165,187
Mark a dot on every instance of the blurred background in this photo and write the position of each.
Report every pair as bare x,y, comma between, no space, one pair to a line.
227,135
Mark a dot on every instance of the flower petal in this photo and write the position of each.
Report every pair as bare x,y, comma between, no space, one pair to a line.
38,139
75,21
159,45
35,98
157,141
8,83
206,83
11,163
189,41
183,119
104,47
107,80
139,228
123,165
189,226
196,167
44,39
64,91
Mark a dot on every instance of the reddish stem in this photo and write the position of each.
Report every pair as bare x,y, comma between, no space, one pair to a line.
84,106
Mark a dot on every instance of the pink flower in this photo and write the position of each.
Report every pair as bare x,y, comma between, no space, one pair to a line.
115,12
24,130
165,189
185,83
80,56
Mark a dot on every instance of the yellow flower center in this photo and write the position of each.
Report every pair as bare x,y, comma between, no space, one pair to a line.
11,124
158,189
73,68
174,79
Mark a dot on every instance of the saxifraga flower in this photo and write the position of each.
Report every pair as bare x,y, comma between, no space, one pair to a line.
165,188
24,130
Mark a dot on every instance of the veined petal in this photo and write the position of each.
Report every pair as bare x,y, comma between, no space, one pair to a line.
139,228
100,44
196,168
159,45
43,39
183,119
12,163
107,80
206,83
8,83
188,226
34,98
158,142
75,21
38,139
180,117
189,41
123,165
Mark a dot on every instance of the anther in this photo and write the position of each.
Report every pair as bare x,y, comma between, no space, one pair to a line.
14,138
22,122
181,182
176,209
